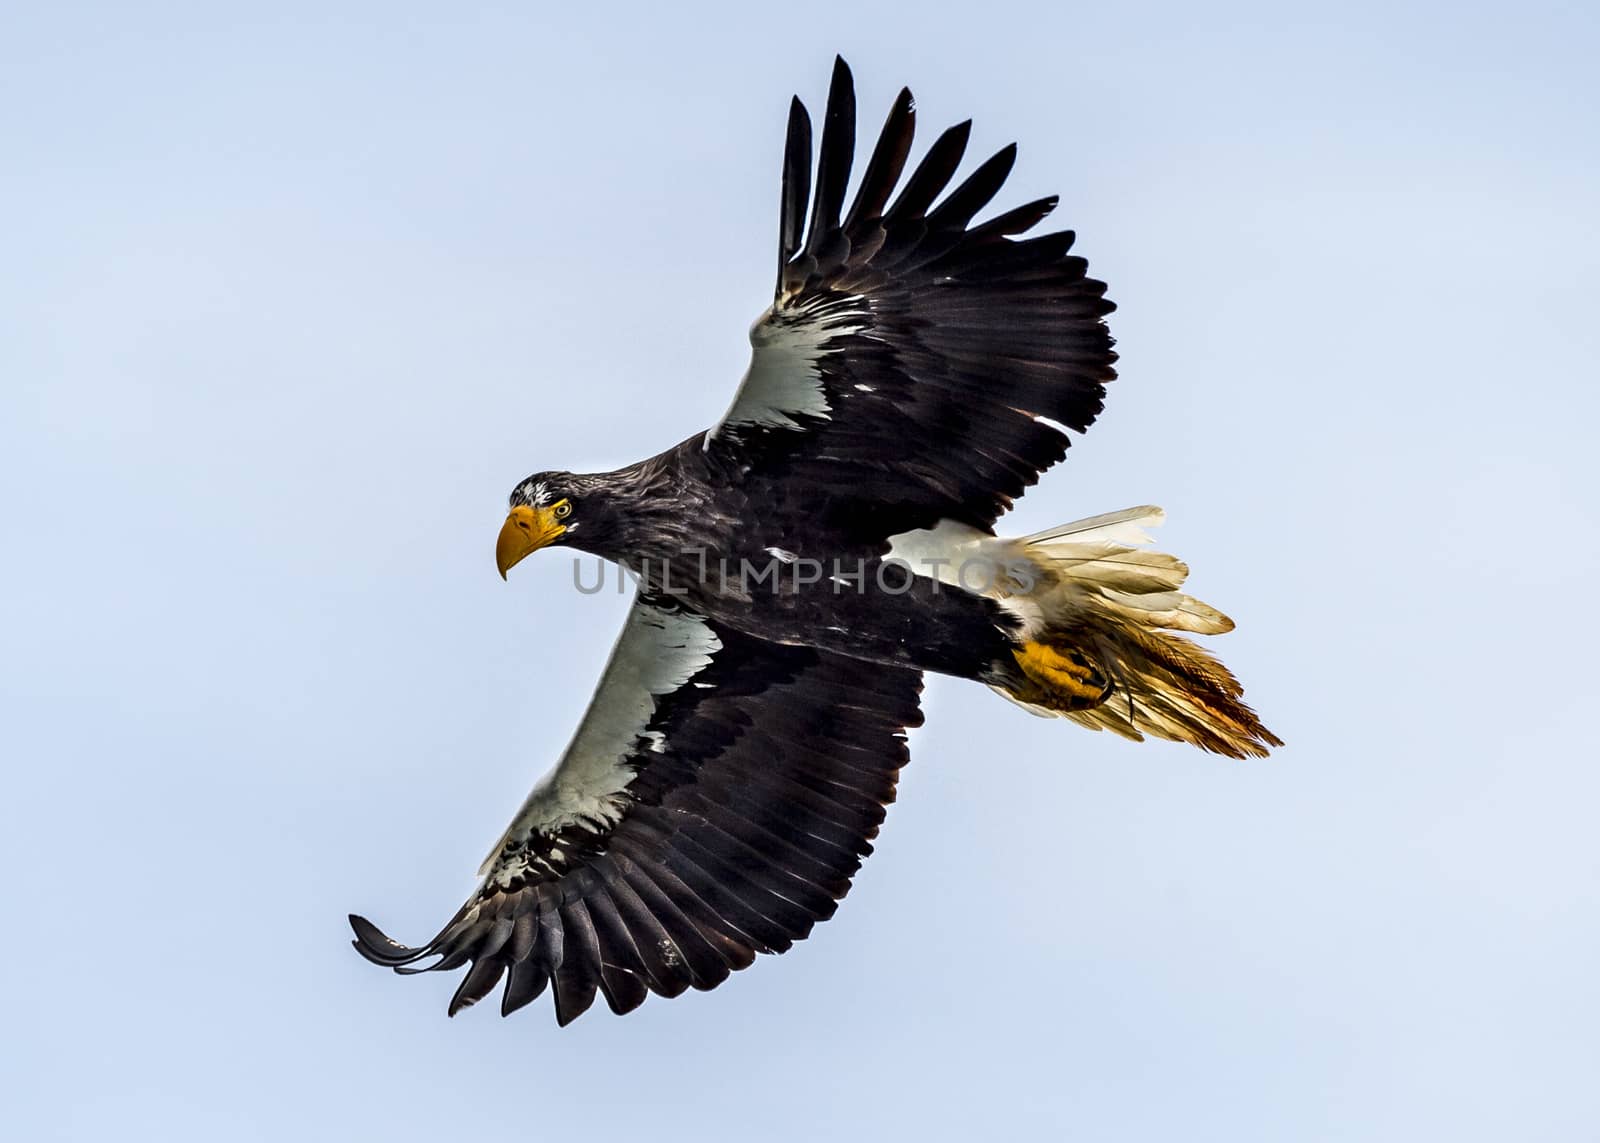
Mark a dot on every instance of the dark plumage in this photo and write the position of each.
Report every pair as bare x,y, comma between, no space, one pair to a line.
913,376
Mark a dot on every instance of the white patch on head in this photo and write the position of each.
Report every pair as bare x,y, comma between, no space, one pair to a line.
784,380
534,492
782,555
657,653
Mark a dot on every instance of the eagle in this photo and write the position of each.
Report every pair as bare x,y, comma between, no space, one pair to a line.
802,563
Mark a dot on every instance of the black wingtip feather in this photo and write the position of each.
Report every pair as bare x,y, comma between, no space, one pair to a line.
932,175
478,983
378,947
885,167
833,162
975,192
1018,220
796,189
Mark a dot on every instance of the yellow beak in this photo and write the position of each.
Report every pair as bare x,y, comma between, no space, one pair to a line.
525,531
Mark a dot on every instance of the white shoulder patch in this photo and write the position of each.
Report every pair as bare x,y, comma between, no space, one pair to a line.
657,653
785,375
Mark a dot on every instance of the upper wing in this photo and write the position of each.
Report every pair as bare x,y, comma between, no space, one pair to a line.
714,803
914,367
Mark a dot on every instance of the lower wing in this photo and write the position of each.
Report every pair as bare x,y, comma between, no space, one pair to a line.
715,802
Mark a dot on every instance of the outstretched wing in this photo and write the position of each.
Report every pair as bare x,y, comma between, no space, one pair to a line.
913,366
715,802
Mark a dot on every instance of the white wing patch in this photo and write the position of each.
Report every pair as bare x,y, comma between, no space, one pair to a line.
657,653
785,375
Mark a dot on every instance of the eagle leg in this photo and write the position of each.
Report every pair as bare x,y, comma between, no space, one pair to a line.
1059,676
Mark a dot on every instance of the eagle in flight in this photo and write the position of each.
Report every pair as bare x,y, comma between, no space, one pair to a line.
801,563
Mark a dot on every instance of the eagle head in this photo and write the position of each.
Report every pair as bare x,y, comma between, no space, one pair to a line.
545,509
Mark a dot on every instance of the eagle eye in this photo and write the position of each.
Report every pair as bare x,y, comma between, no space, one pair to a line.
562,509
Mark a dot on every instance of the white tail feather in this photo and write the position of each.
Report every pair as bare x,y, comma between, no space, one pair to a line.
1097,589
1097,556
1124,527
1104,594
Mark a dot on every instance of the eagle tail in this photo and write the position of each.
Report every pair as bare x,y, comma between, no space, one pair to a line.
1103,647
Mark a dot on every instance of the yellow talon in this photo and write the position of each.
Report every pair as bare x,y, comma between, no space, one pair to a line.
1064,673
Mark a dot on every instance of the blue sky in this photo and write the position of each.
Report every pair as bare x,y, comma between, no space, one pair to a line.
294,296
